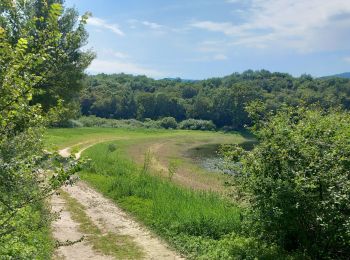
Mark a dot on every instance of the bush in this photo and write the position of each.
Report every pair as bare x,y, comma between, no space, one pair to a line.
168,122
298,178
93,121
32,237
149,123
74,123
196,124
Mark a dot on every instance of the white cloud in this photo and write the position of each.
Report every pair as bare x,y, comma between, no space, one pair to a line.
207,58
114,54
347,59
233,1
119,55
312,25
226,28
117,66
98,22
152,25
220,57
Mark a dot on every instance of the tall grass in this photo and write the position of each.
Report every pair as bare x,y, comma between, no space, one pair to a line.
200,224
166,205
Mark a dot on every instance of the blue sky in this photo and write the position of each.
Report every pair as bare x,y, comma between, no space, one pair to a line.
196,39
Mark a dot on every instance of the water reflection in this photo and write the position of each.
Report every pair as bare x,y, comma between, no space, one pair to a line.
208,157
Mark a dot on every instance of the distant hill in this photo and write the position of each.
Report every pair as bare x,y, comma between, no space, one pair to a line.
345,75
181,80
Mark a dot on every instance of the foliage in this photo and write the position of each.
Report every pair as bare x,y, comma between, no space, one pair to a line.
28,174
93,121
195,124
298,180
165,123
31,238
168,122
221,100
34,20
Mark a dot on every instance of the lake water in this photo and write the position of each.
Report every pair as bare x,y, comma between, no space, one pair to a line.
208,157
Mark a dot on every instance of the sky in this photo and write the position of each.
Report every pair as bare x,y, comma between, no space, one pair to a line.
198,39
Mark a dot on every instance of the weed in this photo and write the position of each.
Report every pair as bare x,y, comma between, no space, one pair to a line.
172,168
147,162
112,147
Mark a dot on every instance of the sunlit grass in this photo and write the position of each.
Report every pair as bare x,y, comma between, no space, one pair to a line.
63,137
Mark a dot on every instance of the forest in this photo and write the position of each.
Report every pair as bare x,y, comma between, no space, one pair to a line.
220,100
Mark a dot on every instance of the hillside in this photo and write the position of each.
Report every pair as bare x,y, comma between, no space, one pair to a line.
345,75
221,100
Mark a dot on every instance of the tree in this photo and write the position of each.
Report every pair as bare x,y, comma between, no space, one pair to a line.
31,20
201,108
298,178
221,100
146,105
28,174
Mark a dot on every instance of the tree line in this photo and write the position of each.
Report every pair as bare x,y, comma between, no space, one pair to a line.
221,100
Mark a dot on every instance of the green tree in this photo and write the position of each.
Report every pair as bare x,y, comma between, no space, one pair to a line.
31,20
298,180
221,100
28,175
146,105
201,108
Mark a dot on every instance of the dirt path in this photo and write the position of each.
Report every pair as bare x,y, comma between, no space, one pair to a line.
107,217
65,229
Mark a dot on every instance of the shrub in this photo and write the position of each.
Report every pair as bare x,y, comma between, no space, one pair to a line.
149,123
168,122
93,121
196,124
74,123
298,179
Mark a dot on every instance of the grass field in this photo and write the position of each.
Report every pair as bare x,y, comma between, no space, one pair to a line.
166,149
197,221
63,137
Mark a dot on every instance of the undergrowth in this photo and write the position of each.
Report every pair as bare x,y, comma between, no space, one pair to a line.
31,239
